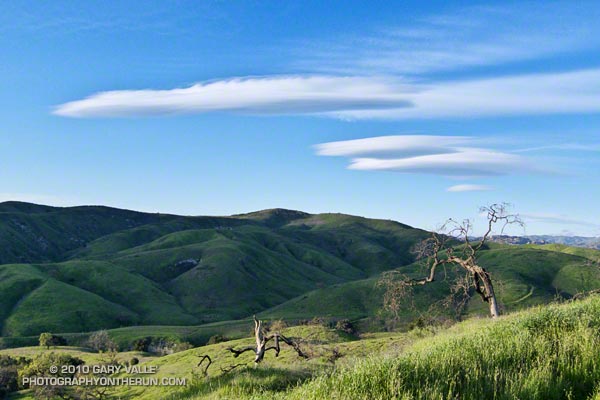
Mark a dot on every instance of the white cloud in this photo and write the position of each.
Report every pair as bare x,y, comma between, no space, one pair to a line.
393,146
266,95
464,163
452,156
356,97
563,93
468,188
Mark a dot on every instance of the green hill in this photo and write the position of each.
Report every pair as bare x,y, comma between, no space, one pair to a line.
523,277
98,267
591,254
116,268
32,233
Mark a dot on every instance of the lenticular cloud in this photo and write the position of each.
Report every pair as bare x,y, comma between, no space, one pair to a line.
355,97
273,95
453,156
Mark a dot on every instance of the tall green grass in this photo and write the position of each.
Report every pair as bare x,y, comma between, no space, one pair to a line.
247,382
545,353
550,352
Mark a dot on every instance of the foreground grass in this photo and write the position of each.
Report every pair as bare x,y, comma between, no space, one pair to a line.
546,353
550,352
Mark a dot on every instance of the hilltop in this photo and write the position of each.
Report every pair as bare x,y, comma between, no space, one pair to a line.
572,241
85,268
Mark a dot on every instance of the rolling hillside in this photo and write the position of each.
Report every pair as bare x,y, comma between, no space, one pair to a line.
523,277
91,268
96,267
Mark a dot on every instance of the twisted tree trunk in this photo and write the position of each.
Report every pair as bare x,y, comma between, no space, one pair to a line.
261,344
482,282
438,251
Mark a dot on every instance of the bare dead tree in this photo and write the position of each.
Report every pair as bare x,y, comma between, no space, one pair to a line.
459,295
441,250
335,355
202,359
262,339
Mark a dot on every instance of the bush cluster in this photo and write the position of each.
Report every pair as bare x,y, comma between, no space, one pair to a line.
48,340
160,345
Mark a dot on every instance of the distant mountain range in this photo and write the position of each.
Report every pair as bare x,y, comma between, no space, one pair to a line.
574,241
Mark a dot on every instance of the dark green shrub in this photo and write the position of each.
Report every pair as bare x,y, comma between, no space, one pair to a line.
346,326
47,340
214,339
9,375
142,344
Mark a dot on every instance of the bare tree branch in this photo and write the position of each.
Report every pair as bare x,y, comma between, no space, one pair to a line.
432,248
261,343
236,353
205,357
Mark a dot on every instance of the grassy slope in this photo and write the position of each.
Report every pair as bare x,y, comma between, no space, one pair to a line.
32,233
56,305
124,337
523,276
591,254
16,282
175,271
169,270
546,352
80,296
549,352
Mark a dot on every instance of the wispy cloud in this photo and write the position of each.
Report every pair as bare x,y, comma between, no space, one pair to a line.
590,147
557,219
470,37
468,188
55,19
356,97
452,156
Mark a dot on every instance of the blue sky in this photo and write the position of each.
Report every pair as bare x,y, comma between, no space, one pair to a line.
414,111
